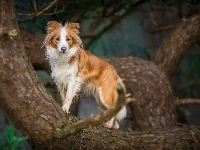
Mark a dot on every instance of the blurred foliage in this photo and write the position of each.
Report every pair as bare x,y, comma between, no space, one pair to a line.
12,139
64,11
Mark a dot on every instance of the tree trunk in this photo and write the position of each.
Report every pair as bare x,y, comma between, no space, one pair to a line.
22,96
177,43
38,116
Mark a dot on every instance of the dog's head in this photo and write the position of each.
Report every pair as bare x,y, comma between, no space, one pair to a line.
62,38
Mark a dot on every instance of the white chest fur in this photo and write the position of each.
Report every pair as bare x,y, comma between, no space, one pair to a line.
62,72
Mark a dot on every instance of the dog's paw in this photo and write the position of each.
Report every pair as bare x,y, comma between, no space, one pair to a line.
65,108
112,124
108,124
116,124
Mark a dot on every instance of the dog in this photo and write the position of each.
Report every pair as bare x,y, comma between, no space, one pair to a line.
76,70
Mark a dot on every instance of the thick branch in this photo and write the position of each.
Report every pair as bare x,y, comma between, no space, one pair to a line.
168,139
177,43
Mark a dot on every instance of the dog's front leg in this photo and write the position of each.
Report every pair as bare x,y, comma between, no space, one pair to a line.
69,96
72,89
62,93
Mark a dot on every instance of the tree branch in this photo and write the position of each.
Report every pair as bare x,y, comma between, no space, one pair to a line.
187,101
177,43
101,138
162,28
38,14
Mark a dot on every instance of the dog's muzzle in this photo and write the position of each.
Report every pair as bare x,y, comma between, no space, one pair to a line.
63,49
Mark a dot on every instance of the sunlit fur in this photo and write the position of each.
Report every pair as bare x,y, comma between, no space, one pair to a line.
75,70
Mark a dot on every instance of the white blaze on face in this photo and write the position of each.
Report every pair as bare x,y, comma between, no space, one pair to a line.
63,46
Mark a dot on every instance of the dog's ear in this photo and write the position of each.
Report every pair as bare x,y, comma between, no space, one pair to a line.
52,25
74,27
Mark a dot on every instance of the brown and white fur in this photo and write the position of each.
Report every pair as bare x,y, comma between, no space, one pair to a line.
75,70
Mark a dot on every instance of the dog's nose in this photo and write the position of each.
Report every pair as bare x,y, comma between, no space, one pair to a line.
63,49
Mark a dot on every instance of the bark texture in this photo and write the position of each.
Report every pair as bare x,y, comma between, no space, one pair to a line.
184,138
33,45
154,104
177,43
22,96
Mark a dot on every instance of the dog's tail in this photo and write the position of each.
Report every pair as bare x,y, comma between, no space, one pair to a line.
122,113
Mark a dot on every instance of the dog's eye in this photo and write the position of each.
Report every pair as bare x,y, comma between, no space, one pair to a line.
57,39
68,39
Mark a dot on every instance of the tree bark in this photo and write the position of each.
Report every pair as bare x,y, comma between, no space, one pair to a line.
177,43
38,116
184,138
154,105
33,45
22,96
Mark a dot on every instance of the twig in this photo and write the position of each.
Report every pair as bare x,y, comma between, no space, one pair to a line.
159,29
169,27
55,11
34,5
187,101
96,120
38,14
